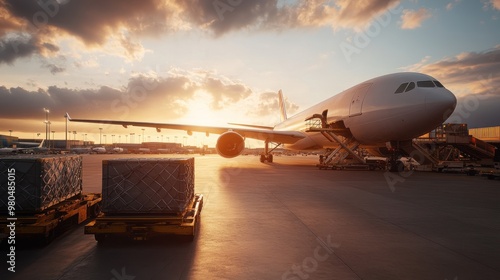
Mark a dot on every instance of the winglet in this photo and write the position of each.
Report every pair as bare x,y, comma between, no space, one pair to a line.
41,143
282,106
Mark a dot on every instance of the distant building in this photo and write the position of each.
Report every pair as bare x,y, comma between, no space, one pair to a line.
488,134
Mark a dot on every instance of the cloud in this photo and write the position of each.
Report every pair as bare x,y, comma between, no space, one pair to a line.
475,78
411,19
221,17
466,73
452,4
360,13
98,23
144,97
141,96
268,106
91,20
224,94
54,69
495,4
21,45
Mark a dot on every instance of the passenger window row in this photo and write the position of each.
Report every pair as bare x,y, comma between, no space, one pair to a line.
405,87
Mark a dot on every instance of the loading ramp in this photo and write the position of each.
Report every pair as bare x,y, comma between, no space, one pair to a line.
451,143
347,146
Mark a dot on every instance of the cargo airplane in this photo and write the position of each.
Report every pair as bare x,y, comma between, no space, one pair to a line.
389,109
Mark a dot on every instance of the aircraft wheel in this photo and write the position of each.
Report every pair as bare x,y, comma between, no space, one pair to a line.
100,238
270,158
262,158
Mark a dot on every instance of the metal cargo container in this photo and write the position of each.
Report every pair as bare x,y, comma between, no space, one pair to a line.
147,186
40,181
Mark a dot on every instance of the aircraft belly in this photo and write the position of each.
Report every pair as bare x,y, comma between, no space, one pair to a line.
386,125
308,143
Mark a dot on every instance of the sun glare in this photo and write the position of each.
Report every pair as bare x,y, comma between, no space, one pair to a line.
201,113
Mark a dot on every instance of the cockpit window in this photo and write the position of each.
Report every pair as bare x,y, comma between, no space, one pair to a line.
401,88
438,84
425,84
410,86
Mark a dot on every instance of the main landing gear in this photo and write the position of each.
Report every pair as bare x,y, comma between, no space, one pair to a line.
267,156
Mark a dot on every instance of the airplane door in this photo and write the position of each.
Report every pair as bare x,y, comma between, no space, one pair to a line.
358,97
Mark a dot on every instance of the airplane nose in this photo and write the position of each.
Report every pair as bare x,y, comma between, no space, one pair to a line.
441,102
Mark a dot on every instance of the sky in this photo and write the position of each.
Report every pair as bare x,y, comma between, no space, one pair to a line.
213,62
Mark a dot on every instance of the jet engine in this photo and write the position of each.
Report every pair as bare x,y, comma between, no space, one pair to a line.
230,144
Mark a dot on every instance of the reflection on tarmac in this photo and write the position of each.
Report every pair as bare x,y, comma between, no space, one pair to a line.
289,220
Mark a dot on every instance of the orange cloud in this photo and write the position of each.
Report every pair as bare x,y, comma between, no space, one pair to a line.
413,19
99,23
495,4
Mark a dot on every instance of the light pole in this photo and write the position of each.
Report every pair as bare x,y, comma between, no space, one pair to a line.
112,138
126,138
47,111
53,137
105,142
100,134
143,135
49,132
66,131
10,130
119,138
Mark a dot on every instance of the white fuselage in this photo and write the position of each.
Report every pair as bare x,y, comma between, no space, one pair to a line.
375,114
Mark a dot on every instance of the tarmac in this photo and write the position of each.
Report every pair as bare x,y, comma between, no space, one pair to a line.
289,220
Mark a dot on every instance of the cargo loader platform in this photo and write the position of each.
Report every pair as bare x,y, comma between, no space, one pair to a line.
141,226
43,225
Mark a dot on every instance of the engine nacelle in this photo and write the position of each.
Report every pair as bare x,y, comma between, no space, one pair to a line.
230,144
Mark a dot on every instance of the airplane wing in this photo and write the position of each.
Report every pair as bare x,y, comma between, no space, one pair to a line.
263,133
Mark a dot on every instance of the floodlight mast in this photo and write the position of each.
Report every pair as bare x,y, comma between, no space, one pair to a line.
47,127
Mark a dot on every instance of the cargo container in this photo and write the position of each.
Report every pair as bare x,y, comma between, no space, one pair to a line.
146,197
147,185
42,194
41,181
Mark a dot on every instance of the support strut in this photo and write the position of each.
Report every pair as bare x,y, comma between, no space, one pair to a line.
349,145
267,156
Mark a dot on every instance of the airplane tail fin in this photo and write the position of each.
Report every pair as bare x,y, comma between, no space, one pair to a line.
41,143
282,106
